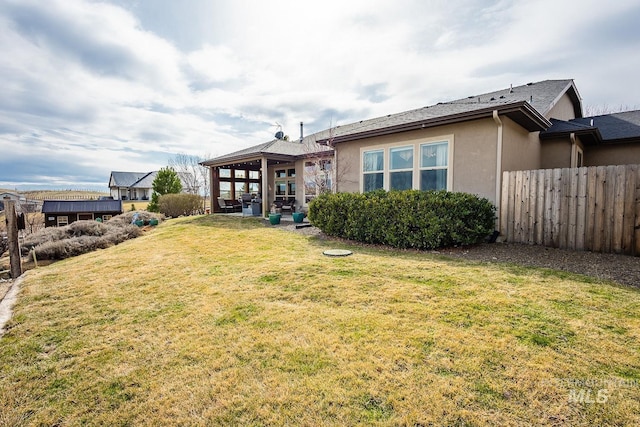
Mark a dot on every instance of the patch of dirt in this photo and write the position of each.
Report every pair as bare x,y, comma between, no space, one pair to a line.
621,269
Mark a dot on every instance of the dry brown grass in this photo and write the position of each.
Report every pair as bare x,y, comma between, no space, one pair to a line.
218,321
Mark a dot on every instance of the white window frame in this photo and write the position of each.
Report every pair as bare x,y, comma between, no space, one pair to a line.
384,171
416,144
62,220
106,217
447,167
411,169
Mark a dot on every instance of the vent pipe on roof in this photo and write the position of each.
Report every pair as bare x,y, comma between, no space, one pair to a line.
301,131
511,88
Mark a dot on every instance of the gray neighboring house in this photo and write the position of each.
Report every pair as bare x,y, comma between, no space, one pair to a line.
58,213
139,185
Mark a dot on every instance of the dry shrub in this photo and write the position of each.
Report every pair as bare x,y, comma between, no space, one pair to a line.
127,217
78,238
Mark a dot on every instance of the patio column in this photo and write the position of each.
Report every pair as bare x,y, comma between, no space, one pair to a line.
264,186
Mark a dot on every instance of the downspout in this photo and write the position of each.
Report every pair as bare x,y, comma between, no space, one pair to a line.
574,148
496,119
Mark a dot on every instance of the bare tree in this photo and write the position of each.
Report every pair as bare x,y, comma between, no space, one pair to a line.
600,110
194,176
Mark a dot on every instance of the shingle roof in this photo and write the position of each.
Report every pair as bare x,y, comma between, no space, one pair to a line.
278,147
607,128
616,126
126,179
81,206
540,96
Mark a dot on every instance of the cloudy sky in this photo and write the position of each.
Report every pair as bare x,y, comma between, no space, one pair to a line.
87,87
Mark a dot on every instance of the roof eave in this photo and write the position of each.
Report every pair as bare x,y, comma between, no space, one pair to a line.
521,112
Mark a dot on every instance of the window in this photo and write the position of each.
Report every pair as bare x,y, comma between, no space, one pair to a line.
106,217
85,216
240,188
241,174
579,157
62,221
225,190
434,165
225,173
285,184
318,178
401,168
372,170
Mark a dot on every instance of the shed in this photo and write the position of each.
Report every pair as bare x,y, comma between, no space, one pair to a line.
64,212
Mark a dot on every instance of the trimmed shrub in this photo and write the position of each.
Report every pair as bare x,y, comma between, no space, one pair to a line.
405,219
175,205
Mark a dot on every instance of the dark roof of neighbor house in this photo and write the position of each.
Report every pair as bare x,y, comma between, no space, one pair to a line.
607,128
528,105
279,148
81,206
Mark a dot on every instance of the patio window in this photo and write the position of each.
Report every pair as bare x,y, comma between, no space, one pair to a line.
285,184
225,190
372,170
434,165
401,168
318,178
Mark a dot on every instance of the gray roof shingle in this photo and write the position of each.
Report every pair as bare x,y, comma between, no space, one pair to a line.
608,128
81,206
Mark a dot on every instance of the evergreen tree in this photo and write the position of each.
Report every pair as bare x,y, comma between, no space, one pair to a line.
167,181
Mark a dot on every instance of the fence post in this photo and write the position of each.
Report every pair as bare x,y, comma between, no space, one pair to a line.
12,234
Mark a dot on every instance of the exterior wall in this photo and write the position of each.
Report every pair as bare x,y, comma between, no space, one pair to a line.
563,109
51,219
613,154
556,153
474,154
520,148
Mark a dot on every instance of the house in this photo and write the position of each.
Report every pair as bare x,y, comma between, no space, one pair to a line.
296,171
139,185
24,204
64,212
462,145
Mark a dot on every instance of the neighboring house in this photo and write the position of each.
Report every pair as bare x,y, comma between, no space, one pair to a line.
64,212
139,185
462,145
24,204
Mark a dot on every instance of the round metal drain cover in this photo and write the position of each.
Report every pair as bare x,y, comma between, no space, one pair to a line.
337,252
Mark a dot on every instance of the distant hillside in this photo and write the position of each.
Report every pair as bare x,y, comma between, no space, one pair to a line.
62,194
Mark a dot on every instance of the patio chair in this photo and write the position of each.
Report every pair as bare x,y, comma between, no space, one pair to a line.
225,206
288,205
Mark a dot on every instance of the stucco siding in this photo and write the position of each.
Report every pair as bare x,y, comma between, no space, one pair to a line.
614,154
556,153
474,155
563,109
521,149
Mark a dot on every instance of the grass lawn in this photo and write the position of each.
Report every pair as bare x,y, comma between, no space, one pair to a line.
221,321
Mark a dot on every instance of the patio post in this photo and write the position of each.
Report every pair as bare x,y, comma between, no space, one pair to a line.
264,186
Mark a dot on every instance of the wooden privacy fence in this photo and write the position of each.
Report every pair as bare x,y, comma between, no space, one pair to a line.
590,208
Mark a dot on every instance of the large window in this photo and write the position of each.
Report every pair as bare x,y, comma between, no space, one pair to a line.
434,165
373,170
401,168
420,166
285,184
318,178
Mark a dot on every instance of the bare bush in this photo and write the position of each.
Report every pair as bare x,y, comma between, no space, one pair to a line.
128,217
78,238
175,205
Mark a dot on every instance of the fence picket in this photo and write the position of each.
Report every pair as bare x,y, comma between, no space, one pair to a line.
589,208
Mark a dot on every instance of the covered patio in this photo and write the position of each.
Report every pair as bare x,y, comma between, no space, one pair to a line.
271,173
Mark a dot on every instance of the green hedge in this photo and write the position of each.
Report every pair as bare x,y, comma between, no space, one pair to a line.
405,219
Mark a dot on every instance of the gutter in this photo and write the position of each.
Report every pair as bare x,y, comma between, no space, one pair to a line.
496,118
